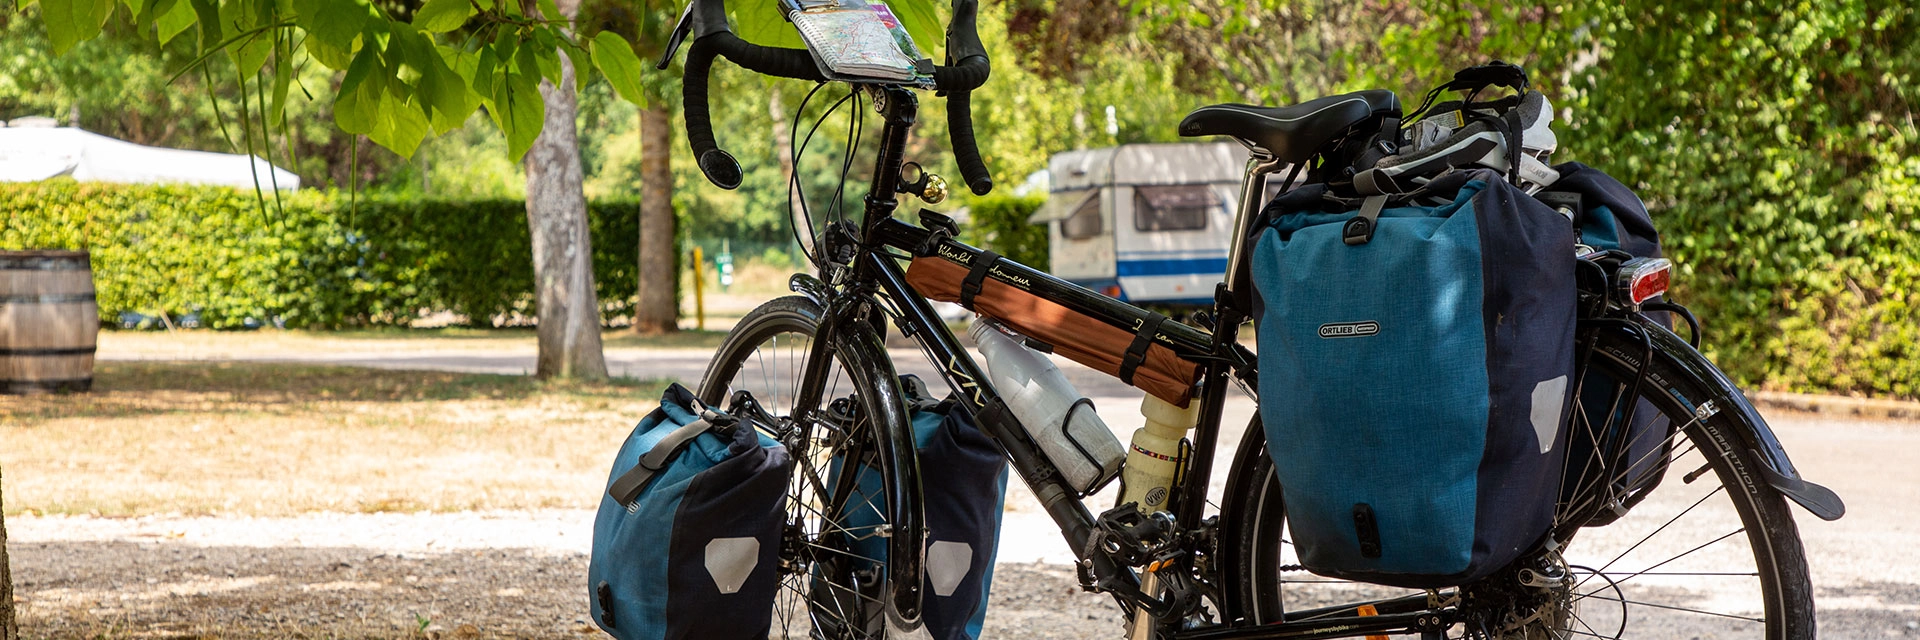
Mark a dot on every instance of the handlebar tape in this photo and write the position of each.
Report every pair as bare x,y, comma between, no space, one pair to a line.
719,166
967,69
965,152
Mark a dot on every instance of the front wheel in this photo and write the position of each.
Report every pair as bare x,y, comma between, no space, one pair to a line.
832,585
1712,553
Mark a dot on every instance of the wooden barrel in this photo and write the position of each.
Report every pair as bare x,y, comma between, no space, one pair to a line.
48,321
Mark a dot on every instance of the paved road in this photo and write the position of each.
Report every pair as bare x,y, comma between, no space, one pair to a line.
1865,569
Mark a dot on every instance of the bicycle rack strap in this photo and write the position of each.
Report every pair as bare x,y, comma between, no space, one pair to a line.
1137,352
977,276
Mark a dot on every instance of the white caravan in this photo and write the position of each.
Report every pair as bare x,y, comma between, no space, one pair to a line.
1144,223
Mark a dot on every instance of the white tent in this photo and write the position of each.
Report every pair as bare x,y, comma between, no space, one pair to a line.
33,153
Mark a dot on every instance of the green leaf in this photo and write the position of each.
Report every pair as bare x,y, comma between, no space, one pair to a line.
551,11
357,105
401,126
282,80
547,55
70,22
523,111
923,20
483,76
327,54
582,64
211,35
333,22
461,64
441,16
178,17
763,23
621,67
438,89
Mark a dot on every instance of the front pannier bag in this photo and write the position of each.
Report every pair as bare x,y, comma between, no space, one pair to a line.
686,544
963,499
1414,375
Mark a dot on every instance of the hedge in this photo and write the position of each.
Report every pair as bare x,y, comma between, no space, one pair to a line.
1777,147
1000,223
306,259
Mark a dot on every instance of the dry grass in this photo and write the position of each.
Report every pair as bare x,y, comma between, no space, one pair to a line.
202,344
276,439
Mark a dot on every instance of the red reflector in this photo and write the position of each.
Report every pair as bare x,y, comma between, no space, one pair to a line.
1112,291
1641,279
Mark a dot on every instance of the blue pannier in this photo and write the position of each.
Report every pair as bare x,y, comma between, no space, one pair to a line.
687,540
1415,359
1611,217
964,497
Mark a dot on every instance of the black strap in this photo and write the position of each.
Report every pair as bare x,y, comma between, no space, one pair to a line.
970,287
1359,229
1137,352
628,487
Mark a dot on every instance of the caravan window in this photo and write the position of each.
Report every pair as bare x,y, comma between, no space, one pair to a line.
1173,208
1085,221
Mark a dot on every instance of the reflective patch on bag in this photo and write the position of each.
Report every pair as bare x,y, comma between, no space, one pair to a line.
1549,398
947,565
731,560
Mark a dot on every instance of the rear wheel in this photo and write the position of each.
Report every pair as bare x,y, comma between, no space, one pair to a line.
831,583
1712,553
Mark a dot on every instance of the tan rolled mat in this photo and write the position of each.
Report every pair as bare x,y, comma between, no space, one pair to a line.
1083,339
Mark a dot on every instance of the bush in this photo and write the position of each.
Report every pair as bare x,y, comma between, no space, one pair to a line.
307,259
1775,145
1000,223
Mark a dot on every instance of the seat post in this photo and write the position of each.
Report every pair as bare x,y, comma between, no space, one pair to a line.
1251,188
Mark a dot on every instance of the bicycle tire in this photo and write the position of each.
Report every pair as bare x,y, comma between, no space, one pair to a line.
1257,547
815,555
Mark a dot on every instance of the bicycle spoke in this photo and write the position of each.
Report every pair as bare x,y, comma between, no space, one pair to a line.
1682,609
1663,563
1696,504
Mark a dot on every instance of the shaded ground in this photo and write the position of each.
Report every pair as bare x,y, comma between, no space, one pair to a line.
157,590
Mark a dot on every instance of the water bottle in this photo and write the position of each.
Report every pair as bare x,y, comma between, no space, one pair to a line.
1058,418
1154,458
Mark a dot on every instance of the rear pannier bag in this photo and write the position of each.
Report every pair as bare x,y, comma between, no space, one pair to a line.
1414,375
963,498
687,540
1611,217
998,291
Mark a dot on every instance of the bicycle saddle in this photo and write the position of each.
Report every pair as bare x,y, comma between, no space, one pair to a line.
1293,133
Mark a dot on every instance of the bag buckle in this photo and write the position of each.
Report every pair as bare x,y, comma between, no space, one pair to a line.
1359,229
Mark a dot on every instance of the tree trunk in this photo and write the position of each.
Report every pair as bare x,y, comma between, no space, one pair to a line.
569,312
8,629
783,145
657,309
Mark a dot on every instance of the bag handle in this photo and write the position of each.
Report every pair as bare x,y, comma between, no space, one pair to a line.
627,488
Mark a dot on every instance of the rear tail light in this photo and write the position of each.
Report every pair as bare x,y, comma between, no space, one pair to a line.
1642,279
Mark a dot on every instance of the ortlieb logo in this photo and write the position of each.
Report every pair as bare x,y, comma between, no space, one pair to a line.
1349,329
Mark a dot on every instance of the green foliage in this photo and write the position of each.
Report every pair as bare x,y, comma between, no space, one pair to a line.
999,222
408,79
1776,146
316,261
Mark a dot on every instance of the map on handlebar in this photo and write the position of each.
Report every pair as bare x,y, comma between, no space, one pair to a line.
855,39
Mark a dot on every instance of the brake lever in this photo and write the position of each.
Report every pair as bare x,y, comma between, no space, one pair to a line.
679,35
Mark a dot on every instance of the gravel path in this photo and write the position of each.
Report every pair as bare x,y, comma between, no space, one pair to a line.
507,574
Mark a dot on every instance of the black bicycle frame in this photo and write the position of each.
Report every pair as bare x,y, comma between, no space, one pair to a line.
873,270
865,282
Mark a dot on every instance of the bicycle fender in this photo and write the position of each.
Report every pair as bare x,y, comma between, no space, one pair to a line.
871,369
1759,438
